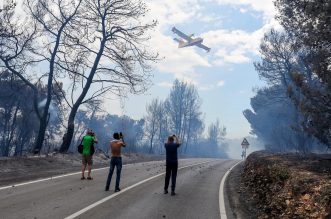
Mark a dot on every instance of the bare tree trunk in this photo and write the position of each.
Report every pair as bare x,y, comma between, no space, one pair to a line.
151,145
71,121
45,115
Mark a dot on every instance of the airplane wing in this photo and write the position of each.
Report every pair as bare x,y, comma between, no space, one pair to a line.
203,47
181,34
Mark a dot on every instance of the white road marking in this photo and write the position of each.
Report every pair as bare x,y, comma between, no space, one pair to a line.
59,176
221,193
122,191
49,178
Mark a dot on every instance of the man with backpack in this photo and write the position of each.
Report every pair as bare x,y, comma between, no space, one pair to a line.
88,140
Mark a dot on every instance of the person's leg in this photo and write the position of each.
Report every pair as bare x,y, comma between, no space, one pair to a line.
118,173
83,171
89,166
167,178
83,166
110,174
174,169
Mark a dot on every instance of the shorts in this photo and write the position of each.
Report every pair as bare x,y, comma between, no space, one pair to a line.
87,159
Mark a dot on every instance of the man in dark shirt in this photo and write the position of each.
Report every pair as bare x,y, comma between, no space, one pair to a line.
171,163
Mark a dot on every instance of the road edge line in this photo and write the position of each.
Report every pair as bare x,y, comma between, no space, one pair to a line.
46,179
221,200
78,213
59,176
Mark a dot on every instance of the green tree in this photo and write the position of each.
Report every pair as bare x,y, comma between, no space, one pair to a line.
310,23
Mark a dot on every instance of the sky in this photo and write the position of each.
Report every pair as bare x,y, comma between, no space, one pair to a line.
225,77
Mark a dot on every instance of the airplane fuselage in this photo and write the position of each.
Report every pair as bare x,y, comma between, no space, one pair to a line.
187,40
193,42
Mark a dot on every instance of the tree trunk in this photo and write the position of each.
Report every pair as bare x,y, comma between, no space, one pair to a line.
151,145
41,134
45,115
70,131
71,122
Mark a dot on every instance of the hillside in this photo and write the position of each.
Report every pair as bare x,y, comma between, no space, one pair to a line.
287,185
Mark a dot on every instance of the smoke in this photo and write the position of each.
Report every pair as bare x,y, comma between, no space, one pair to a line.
235,148
53,111
42,103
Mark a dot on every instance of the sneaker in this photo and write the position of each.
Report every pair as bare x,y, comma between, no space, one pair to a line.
107,188
173,193
117,190
89,178
165,191
82,178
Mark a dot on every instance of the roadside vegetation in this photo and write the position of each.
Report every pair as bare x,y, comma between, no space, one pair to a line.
287,185
292,112
292,116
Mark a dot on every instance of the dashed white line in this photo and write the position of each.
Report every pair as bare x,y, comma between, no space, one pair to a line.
122,191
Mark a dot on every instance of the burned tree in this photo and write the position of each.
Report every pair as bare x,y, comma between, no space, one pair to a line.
105,52
310,23
53,19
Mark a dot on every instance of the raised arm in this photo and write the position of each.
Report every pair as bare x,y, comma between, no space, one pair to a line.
177,139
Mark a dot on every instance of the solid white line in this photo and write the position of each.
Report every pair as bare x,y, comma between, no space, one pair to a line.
69,174
123,190
59,176
221,193
49,178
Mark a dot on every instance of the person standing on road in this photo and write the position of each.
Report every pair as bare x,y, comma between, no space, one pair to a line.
88,140
171,163
116,160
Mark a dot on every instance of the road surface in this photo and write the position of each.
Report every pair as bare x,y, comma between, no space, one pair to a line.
198,183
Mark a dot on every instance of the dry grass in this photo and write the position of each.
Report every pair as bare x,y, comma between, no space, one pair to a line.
289,185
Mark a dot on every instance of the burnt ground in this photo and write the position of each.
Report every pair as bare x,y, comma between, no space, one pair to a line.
269,185
14,170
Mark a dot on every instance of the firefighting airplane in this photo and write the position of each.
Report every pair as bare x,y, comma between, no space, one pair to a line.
189,41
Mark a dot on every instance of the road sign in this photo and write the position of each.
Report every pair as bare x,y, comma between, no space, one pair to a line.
245,143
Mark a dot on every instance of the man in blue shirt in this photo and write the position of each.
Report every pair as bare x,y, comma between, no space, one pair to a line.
171,163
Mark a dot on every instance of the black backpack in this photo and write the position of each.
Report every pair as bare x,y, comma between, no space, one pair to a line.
92,149
80,147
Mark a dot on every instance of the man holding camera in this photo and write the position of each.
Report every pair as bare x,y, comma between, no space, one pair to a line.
88,140
171,163
116,160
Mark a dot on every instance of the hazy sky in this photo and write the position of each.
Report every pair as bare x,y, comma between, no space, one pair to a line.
225,76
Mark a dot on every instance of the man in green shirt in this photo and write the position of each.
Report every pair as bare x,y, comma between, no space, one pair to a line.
88,141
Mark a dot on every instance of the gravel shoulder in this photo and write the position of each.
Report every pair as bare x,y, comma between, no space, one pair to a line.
239,204
21,169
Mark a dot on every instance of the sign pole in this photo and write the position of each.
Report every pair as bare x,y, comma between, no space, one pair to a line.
244,145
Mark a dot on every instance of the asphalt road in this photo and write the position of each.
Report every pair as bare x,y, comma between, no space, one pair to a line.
198,183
